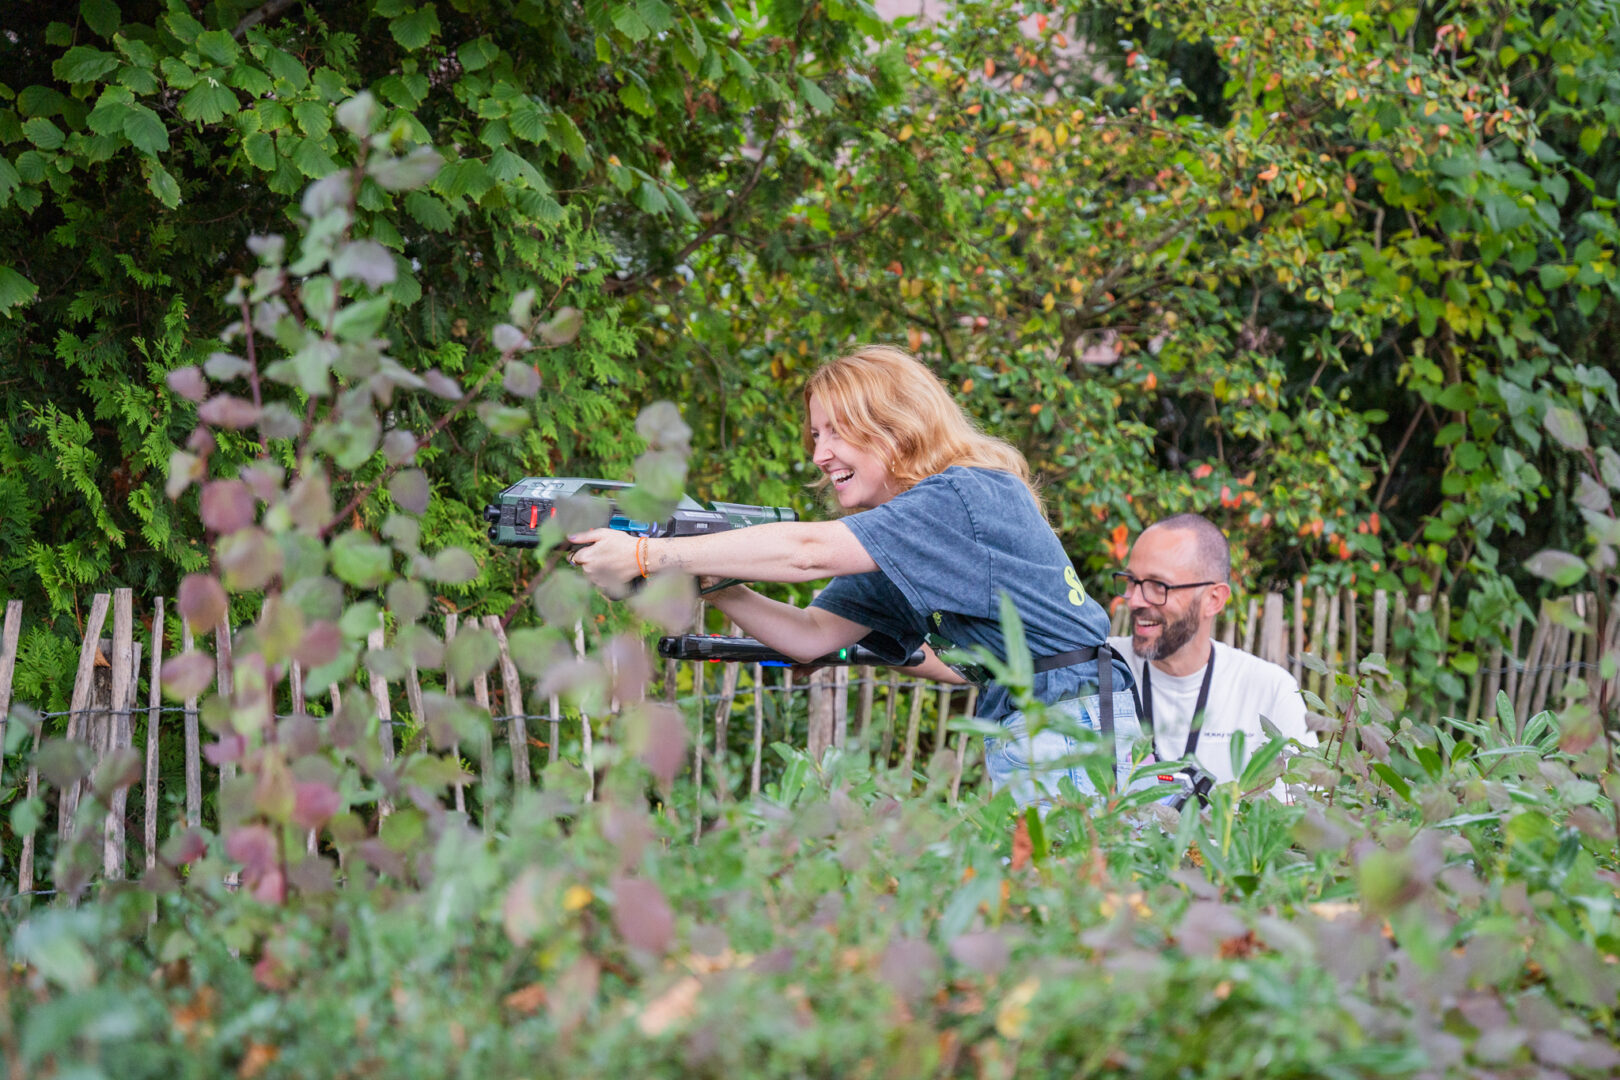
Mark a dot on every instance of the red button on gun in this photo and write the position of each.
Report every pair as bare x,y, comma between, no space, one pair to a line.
534,517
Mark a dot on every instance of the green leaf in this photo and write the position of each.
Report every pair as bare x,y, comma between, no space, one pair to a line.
43,134
430,213
477,54
1559,567
143,128
53,942
470,652
467,176
312,160
162,185
815,96
219,46
635,99
101,16
362,319
14,290
208,103
9,180
1566,426
260,149
1396,782
360,561
84,63
415,29
628,21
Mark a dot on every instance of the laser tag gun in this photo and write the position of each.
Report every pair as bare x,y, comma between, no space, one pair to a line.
716,648
516,517
1194,782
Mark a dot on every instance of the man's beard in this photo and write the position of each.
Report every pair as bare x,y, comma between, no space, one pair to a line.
1173,634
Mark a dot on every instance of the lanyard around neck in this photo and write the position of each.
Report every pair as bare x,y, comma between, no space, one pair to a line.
1198,709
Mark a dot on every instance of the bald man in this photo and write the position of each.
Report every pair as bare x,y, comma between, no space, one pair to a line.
1177,582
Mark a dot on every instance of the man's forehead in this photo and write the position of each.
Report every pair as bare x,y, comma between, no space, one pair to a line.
1161,551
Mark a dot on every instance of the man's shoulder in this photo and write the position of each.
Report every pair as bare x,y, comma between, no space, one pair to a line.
1235,663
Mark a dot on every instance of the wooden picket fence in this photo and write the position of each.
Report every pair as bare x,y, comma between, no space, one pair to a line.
896,720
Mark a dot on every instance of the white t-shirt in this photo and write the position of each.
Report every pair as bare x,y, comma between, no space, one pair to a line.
1244,689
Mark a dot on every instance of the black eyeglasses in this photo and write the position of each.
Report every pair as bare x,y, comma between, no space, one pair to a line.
1154,592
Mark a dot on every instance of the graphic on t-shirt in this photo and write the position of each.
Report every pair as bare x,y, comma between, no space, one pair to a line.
1077,591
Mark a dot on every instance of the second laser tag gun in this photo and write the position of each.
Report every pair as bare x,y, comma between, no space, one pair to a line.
517,515
716,648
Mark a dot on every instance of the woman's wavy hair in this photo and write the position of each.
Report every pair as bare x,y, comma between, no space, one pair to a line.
887,402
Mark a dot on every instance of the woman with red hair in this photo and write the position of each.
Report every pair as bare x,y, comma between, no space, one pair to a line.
941,521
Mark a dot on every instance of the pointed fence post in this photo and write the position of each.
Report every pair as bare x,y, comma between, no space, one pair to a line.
913,727
385,716
451,621
517,730
1380,640
1251,625
8,667
119,728
1274,631
587,752
1510,677
863,709
891,704
79,706
486,742
193,744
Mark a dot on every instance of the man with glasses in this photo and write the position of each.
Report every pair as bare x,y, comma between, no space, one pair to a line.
1197,693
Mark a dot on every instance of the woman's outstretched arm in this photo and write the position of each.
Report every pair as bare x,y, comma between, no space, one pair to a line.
781,551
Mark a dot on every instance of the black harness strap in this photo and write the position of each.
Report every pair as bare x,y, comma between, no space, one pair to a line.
1198,708
1104,655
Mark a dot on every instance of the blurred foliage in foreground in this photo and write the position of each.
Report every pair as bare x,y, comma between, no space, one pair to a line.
1442,904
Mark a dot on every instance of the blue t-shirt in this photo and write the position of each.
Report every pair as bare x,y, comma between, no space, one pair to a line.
946,550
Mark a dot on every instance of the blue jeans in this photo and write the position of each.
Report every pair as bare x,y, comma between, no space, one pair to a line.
1034,767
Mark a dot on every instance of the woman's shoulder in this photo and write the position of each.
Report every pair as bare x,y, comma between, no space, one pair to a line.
977,476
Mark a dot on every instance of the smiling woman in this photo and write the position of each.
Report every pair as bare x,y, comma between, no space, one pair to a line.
942,522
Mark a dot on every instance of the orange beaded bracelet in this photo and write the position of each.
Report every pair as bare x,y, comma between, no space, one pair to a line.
641,555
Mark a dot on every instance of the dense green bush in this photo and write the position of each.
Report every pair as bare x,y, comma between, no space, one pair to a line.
1438,900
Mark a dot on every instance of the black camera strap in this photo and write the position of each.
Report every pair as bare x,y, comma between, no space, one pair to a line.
1198,709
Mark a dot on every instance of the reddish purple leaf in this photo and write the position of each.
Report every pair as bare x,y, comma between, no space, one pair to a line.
186,847
910,967
657,735
202,601
254,846
187,675
229,748
314,803
984,951
269,887
319,645
227,505
399,446
226,411
63,761
410,490
629,665
201,441
265,480
441,385
188,382
642,915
